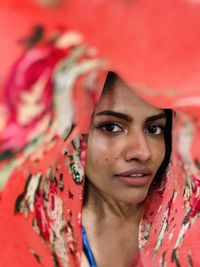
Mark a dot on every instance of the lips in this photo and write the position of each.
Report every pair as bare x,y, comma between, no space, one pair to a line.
136,172
137,176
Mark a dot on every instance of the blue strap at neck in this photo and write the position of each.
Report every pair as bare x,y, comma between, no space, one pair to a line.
87,250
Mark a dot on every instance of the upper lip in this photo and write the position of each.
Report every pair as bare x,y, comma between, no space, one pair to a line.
136,170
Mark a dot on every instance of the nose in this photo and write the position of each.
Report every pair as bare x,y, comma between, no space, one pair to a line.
137,148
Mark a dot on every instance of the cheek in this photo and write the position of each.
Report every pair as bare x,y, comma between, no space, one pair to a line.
102,155
159,154
98,157
101,159
103,150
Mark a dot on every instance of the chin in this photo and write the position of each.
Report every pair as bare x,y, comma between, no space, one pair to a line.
134,198
135,201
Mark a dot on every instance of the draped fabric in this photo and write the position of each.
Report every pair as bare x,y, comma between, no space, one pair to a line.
51,93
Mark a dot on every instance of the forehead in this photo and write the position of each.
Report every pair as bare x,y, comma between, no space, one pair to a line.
122,98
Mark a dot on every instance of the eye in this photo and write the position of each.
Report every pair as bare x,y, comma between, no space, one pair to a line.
111,127
154,129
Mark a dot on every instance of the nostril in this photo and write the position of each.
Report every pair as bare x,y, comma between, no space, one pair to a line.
144,154
138,153
137,146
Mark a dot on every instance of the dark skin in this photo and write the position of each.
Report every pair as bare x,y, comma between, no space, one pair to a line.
125,135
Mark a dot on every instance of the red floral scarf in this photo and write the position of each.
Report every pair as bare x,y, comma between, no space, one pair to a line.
51,94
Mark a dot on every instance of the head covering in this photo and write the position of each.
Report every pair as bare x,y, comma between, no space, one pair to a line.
51,94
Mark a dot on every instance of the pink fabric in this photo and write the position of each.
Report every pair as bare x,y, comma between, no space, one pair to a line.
31,213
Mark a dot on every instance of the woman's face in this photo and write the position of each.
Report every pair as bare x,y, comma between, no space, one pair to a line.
125,145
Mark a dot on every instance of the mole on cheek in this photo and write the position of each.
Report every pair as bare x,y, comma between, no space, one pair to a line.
116,158
106,159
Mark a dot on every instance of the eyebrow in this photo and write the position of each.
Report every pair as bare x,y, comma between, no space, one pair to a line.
116,114
129,118
156,117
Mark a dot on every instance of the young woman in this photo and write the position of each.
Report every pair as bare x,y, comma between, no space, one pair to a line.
63,209
126,148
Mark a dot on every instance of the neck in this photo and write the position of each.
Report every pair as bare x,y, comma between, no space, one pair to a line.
103,208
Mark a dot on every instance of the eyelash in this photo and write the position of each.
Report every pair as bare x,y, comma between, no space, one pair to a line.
103,125
161,127
148,129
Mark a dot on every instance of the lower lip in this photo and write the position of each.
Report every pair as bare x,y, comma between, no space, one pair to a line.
134,181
